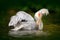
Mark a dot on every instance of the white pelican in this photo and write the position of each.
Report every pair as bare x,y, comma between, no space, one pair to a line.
38,17
26,21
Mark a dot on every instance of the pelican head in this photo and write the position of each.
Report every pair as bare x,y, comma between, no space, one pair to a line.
38,17
44,11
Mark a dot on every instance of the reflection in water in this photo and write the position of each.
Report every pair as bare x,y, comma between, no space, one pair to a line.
28,33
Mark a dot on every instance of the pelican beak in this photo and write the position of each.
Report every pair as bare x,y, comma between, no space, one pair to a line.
47,13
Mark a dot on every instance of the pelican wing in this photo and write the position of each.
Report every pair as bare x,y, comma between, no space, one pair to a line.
21,15
24,15
14,20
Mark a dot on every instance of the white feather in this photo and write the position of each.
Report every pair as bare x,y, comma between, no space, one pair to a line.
21,15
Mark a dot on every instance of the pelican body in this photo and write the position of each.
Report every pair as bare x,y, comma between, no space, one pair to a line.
22,20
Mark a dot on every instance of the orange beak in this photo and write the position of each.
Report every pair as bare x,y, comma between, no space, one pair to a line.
38,14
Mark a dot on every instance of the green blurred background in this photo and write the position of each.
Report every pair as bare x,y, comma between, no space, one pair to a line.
9,8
